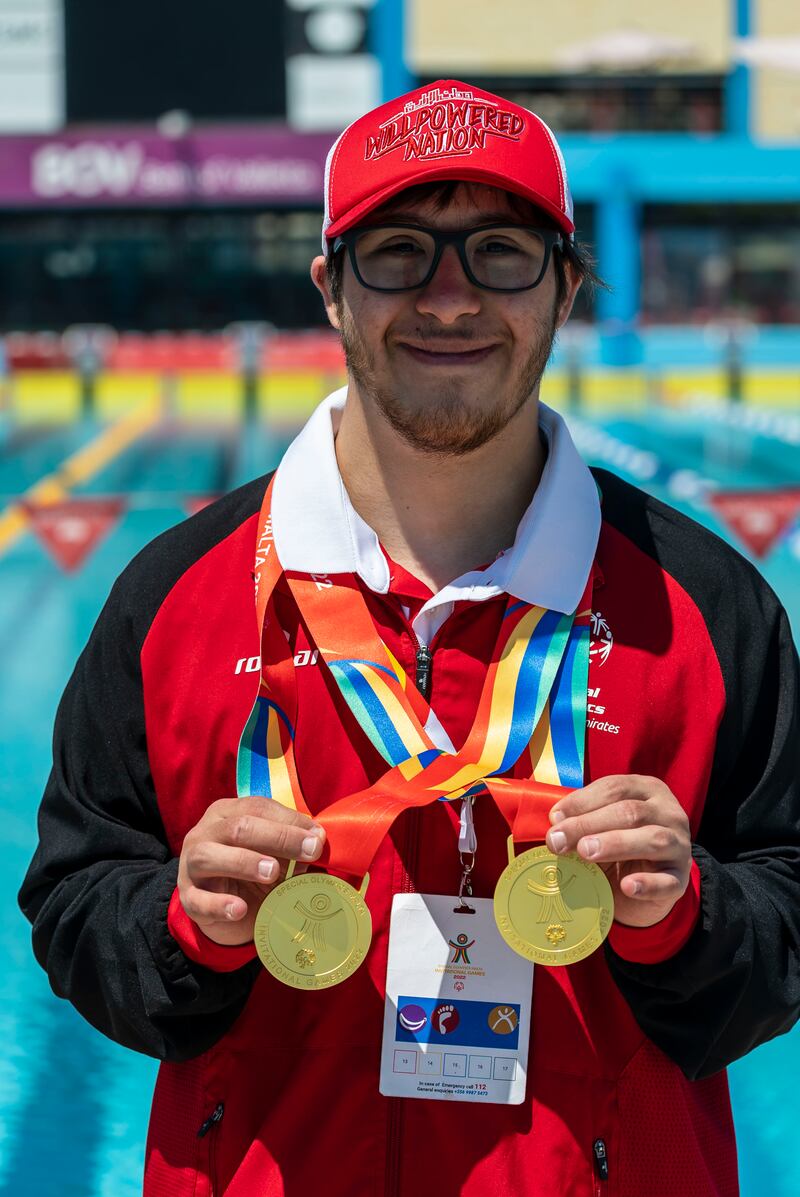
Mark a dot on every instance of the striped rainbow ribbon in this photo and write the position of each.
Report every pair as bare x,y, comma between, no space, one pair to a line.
534,697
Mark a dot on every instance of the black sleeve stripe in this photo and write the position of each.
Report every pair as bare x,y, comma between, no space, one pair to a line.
736,982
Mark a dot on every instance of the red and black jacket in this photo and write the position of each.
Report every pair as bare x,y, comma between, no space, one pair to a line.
694,680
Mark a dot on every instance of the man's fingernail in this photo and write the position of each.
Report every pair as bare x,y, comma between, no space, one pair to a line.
590,846
230,911
558,841
311,845
266,869
637,888
318,830
556,815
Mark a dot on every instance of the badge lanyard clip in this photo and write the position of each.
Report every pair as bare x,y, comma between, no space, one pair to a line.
467,847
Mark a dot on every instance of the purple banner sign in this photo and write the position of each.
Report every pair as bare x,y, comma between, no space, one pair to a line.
100,168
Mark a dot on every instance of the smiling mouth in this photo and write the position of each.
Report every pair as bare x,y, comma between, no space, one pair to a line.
447,357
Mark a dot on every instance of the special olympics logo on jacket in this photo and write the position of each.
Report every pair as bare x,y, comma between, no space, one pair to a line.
443,123
602,639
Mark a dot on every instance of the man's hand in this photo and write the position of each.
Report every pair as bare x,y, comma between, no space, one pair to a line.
637,831
234,856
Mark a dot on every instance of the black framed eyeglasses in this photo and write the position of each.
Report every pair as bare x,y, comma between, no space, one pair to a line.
404,257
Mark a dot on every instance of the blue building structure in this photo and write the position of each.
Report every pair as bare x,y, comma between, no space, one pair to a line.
622,173
618,174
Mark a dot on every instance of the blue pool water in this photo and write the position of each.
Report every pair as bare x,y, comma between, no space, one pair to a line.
73,1106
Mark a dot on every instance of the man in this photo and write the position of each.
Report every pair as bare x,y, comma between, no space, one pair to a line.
443,494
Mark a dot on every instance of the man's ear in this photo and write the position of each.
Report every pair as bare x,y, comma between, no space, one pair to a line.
573,282
319,277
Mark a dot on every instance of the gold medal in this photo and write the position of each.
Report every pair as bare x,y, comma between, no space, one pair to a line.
552,909
313,930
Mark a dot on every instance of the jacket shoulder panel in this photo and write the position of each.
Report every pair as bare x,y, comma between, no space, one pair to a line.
708,568
146,582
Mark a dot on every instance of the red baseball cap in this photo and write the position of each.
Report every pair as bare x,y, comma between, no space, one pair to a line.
447,130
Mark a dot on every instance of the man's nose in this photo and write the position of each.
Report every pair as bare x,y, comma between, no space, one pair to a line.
449,295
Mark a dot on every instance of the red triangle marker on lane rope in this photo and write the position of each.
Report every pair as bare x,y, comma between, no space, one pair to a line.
72,529
194,503
758,517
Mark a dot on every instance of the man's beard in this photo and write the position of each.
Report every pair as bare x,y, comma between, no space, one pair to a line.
447,425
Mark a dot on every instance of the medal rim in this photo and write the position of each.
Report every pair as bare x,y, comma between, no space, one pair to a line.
311,980
522,944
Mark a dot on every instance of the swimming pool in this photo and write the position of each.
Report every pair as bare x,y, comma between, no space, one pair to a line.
73,1106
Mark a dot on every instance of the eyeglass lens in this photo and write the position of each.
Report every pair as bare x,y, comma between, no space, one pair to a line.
503,258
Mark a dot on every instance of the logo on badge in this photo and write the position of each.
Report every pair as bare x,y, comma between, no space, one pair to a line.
445,1018
461,947
503,1020
412,1018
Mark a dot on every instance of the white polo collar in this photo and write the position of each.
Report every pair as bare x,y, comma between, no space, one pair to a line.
317,529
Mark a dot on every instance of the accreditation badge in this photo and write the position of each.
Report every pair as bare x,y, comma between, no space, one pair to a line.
458,1005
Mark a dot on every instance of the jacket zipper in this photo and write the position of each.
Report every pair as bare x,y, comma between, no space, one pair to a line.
423,666
600,1153
210,1123
423,669
423,676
